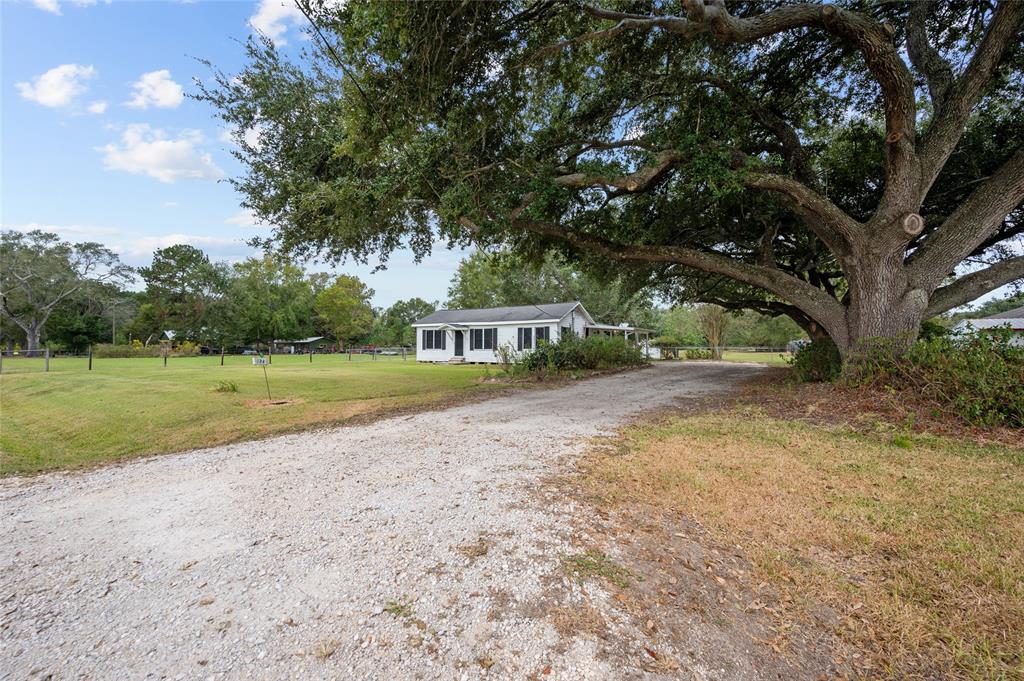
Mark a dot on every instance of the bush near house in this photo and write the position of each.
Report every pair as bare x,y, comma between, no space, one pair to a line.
580,354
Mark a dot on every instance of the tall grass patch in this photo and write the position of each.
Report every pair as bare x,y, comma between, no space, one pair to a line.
916,549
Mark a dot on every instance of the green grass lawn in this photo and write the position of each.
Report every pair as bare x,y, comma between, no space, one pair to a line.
773,358
126,407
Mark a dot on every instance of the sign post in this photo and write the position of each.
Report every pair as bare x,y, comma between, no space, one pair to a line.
263,362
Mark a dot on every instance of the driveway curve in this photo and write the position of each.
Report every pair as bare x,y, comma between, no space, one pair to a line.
416,547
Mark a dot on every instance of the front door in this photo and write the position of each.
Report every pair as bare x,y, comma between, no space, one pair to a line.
458,343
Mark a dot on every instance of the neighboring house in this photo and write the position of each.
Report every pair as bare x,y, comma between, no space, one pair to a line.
304,345
1012,319
475,335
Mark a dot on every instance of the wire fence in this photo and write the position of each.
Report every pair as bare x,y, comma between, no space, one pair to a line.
45,360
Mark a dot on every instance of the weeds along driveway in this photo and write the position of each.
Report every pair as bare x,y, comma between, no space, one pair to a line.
415,547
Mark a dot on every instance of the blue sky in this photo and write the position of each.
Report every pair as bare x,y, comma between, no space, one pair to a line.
100,142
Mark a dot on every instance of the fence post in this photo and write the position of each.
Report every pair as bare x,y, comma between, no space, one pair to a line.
270,358
46,359
90,358
165,357
310,354
1,360
403,353
222,355
350,355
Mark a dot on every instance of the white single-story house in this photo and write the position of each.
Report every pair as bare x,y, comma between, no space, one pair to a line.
1011,319
474,335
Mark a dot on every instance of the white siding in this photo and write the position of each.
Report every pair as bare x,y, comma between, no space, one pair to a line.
508,334
434,355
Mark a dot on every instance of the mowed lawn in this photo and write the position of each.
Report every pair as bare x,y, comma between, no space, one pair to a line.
71,417
773,358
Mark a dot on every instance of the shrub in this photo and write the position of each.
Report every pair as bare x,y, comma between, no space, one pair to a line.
572,353
697,353
136,349
225,387
817,361
978,376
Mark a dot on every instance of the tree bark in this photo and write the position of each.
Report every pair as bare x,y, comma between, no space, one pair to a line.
882,302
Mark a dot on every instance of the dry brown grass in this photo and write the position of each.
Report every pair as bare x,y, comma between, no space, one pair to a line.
570,621
919,549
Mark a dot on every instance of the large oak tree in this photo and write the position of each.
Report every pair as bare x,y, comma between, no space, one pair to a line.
857,166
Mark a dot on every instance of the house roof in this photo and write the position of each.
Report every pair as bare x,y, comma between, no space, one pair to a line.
1016,313
311,339
519,313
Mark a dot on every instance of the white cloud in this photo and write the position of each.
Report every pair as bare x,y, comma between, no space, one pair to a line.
273,17
97,107
58,87
149,151
50,6
53,6
156,89
171,204
143,246
74,232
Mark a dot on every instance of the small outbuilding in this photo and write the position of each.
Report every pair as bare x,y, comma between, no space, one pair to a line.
1011,319
474,335
304,346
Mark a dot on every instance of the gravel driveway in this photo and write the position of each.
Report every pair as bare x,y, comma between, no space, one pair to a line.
416,547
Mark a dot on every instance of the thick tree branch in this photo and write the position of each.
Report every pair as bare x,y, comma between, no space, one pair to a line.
946,129
813,301
793,151
822,216
974,221
970,286
873,41
937,72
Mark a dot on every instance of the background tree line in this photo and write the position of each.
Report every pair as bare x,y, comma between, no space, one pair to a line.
69,296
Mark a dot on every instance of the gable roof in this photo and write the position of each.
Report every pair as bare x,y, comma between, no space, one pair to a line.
1016,313
519,313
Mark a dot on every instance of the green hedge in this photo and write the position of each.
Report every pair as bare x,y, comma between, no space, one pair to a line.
574,354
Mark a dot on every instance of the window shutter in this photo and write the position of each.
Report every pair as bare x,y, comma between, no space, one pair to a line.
519,338
444,339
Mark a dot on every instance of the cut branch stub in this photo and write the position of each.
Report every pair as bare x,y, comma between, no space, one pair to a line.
913,224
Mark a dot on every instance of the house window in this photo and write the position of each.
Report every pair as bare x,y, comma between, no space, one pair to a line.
433,339
565,331
543,334
524,338
483,339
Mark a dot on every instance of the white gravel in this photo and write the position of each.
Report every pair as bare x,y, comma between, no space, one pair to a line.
277,559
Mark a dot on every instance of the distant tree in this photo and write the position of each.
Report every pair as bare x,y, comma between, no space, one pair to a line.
89,317
393,326
38,272
344,308
714,320
990,307
186,292
754,329
269,299
500,279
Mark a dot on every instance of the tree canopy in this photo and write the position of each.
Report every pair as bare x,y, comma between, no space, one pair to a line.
854,165
39,272
505,278
344,308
